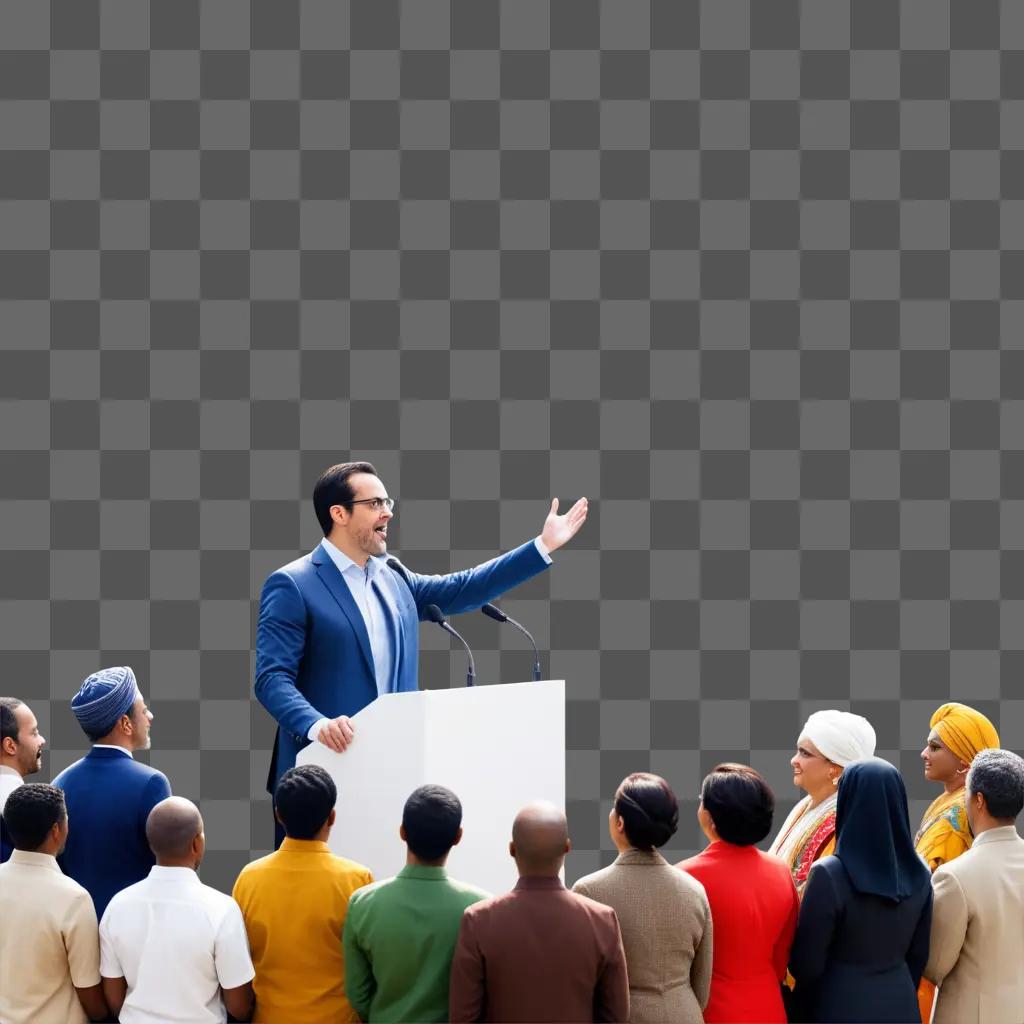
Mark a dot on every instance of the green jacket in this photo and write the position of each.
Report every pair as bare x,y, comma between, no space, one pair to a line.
399,938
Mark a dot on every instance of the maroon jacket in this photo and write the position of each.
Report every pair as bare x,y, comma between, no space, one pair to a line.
539,953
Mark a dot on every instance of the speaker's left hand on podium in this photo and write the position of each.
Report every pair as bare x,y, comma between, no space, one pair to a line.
336,733
559,530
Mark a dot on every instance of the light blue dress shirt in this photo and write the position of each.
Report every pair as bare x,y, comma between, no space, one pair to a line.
368,598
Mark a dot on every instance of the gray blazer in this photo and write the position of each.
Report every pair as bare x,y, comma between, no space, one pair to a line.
666,932
977,940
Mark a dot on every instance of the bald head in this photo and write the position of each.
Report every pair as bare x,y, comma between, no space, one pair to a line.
172,828
540,839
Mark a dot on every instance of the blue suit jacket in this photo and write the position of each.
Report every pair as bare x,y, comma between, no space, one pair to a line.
109,796
313,657
6,844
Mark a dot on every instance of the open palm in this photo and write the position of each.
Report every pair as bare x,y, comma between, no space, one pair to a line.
558,530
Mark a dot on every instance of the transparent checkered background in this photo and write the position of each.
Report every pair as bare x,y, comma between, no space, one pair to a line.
747,273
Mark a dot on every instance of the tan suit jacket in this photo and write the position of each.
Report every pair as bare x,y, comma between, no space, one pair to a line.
666,932
977,940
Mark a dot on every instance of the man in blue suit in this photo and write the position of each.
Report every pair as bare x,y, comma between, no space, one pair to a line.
339,626
108,793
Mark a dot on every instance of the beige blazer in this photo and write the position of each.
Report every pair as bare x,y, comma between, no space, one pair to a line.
666,933
977,940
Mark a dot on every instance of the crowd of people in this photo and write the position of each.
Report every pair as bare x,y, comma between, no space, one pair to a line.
848,917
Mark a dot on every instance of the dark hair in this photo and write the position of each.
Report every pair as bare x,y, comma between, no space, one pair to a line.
304,799
333,488
431,818
999,776
740,802
8,722
648,809
31,811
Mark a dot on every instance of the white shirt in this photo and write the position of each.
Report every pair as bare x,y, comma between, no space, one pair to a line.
115,746
368,600
10,780
176,942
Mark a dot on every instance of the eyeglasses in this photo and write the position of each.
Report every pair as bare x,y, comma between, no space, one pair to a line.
377,504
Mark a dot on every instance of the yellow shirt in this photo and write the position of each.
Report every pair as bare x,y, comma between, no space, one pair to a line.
294,903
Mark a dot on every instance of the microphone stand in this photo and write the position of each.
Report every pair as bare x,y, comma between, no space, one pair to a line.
492,611
437,616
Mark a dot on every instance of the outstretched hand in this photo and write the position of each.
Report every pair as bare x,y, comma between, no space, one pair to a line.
559,530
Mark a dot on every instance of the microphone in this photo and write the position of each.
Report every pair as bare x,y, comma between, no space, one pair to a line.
492,611
436,615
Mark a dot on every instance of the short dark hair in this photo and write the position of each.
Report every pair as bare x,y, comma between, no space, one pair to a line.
648,808
333,488
999,776
740,802
8,721
304,798
431,818
31,811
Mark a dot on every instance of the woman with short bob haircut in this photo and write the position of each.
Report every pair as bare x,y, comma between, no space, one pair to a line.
754,903
663,914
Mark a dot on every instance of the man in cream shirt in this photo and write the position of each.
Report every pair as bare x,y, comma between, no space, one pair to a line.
977,940
49,945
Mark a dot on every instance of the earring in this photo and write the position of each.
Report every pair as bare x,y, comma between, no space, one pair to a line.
835,780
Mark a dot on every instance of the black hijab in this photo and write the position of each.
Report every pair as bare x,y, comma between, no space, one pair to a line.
873,840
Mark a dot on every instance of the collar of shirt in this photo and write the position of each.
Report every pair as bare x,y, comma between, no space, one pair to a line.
645,857
346,565
540,882
35,860
997,835
8,770
289,845
158,873
720,848
424,872
113,746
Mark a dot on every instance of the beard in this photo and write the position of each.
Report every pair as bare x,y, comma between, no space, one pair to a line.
372,542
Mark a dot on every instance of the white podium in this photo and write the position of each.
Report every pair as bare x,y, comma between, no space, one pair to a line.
497,747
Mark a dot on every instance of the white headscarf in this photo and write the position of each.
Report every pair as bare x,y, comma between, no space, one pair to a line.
842,737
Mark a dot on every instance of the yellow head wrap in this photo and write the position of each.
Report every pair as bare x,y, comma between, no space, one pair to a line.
963,730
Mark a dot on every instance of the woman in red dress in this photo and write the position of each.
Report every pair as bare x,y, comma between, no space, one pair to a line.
754,903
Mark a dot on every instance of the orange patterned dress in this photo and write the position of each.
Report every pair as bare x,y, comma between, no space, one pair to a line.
942,837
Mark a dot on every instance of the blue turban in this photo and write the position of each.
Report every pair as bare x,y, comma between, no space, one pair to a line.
103,698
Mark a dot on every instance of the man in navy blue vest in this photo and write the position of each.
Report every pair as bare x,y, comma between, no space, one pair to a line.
108,793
